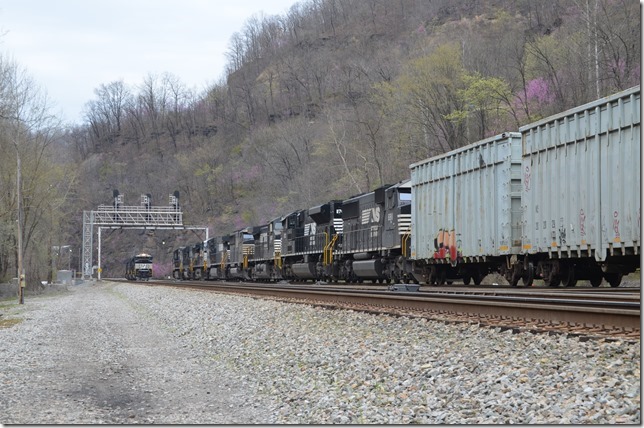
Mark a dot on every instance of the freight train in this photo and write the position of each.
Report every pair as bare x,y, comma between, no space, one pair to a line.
559,200
139,267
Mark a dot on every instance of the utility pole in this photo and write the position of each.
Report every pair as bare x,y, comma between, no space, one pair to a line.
21,269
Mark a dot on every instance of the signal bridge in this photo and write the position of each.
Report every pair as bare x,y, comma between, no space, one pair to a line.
119,216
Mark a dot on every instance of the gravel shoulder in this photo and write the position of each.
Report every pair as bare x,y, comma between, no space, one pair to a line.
128,353
90,355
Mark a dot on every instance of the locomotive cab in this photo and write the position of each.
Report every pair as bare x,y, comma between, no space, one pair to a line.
139,267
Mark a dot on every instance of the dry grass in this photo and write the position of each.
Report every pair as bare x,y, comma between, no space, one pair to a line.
9,322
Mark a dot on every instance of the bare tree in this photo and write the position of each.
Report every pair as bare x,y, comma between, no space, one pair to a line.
29,129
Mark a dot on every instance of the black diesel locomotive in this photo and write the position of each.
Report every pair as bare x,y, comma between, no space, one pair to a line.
559,201
139,267
362,238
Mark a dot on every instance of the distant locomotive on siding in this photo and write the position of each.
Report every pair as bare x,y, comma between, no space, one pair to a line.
139,267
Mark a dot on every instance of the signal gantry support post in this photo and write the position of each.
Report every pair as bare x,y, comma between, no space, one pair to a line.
119,216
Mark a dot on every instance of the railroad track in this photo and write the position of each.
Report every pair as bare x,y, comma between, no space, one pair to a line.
584,313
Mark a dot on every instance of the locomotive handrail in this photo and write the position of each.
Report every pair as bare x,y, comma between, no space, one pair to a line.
403,242
324,251
223,260
328,251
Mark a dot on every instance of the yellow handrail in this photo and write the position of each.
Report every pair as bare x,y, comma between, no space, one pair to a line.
327,257
326,245
404,239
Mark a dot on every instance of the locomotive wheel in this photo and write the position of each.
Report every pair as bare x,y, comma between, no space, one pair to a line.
614,278
528,275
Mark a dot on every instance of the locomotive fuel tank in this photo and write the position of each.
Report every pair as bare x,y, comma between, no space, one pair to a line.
236,273
305,270
369,269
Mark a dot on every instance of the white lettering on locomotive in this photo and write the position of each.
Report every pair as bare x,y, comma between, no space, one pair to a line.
371,215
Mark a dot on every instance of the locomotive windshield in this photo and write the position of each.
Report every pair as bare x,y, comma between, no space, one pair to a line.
404,198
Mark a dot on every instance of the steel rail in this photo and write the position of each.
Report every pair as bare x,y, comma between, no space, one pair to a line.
540,296
605,314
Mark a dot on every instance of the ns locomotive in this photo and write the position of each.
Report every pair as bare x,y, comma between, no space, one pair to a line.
559,200
353,240
139,267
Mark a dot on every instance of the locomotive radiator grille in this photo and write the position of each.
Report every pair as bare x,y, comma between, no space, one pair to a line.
404,224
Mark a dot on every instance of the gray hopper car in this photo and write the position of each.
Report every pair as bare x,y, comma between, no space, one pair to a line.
559,201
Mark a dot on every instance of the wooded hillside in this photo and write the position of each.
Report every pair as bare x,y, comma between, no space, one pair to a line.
332,99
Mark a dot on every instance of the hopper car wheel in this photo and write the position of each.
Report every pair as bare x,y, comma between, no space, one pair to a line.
514,282
568,277
596,279
553,277
430,276
477,277
528,275
614,278
553,280
467,279
516,276
442,276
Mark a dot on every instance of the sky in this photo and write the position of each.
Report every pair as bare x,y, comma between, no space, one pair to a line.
71,47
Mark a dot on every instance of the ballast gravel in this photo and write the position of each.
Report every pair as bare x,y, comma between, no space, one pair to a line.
129,353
